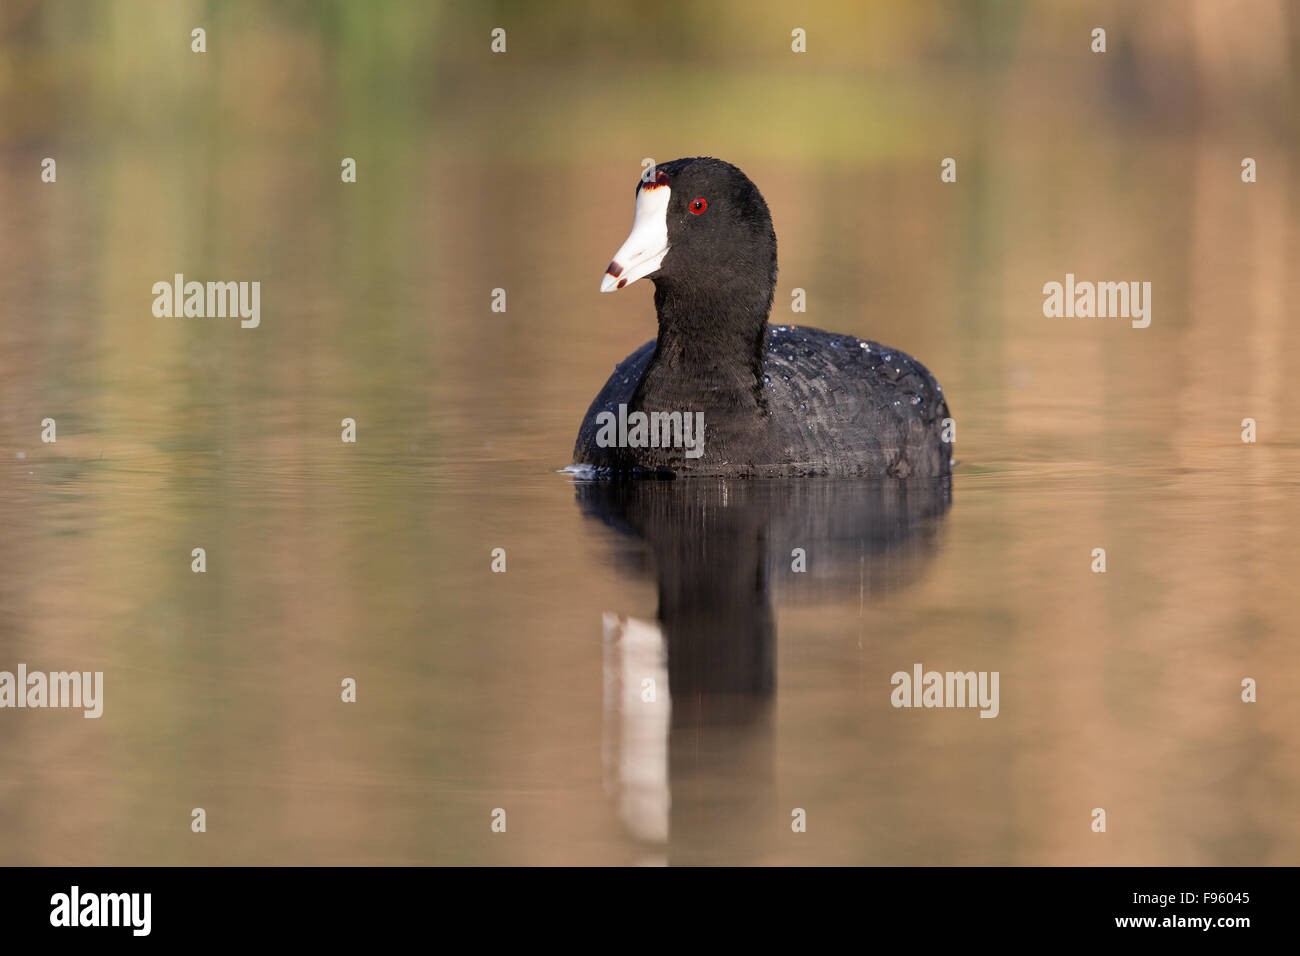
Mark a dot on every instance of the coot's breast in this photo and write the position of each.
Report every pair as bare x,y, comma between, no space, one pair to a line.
836,406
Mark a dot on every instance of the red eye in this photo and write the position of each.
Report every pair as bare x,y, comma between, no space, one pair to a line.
698,206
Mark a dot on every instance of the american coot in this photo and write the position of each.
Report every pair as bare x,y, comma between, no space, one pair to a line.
773,400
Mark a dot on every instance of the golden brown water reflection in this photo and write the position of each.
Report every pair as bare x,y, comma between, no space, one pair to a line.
481,690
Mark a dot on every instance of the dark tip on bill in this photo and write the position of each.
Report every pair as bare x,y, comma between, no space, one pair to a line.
614,269
621,283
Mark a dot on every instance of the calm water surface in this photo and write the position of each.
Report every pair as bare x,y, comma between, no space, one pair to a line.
522,690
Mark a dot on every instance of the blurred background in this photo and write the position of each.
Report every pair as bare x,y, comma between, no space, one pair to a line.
478,171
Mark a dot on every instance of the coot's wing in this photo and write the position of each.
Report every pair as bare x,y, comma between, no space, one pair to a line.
846,406
617,391
903,402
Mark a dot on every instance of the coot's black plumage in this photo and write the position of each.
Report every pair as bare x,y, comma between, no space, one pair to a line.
776,400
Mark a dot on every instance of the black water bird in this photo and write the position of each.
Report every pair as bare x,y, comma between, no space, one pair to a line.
775,401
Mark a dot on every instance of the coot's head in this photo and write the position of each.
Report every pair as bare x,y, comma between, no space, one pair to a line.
700,226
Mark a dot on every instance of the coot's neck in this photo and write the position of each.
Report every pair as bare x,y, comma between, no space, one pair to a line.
712,341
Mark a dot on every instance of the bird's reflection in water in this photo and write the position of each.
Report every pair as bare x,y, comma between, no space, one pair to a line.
688,699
